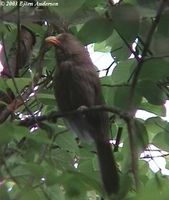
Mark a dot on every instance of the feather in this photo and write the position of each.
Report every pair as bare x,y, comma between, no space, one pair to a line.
76,84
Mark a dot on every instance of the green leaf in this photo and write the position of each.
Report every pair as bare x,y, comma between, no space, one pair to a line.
19,132
83,15
159,110
121,53
67,142
28,194
3,85
93,3
9,39
20,170
122,71
146,12
145,25
88,163
155,125
126,21
121,98
102,47
6,130
20,83
125,184
106,80
119,50
141,137
126,161
40,136
62,159
4,194
154,69
36,28
159,45
35,169
88,33
53,190
148,3
76,183
163,26
161,140
66,8
144,171
3,28
151,92
155,184
47,99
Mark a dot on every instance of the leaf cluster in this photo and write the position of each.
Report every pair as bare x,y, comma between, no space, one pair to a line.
45,161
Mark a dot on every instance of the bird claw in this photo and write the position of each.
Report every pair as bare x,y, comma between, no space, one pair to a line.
82,108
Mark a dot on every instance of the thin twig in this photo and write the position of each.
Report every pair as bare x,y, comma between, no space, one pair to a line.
108,68
116,85
118,138
146,47
130,124
129,47
134,152
157,57
9,172
152,157
18,53
20,99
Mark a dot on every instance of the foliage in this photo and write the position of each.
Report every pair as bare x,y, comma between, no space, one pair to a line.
44,160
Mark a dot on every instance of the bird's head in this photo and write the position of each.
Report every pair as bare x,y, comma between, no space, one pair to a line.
67,46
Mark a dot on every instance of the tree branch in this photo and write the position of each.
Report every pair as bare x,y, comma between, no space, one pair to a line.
130,123
55,115
146,47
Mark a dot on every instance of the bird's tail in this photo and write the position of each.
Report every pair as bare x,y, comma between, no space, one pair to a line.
108,167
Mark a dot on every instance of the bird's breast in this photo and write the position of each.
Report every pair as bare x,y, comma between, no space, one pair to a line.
75,85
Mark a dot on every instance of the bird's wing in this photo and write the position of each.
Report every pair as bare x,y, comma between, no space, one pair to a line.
85,86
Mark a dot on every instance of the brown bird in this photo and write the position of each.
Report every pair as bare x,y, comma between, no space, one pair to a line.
76,84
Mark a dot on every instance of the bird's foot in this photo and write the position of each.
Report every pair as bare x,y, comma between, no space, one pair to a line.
82,108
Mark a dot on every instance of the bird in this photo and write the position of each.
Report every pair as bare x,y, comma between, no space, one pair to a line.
76,85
